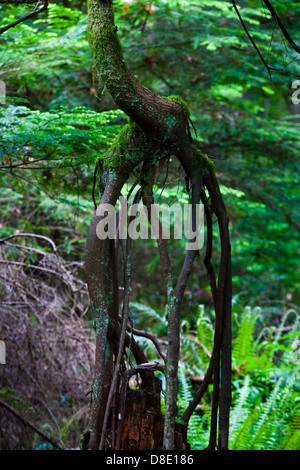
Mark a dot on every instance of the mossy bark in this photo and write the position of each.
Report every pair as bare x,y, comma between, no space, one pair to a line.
158,129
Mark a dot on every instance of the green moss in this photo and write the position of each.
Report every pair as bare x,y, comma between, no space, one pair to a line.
205,161
120,149
109,64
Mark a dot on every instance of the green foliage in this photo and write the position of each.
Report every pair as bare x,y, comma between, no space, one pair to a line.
244,341
47,159
47,59
159,321
196,429
265,426
200,53
266,385
60,138
291,441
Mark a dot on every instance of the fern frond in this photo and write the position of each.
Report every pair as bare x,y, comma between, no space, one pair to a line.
260,429
148,311
268,426
195,428
243,433
294,325
243,345
240,412
292,439
185,388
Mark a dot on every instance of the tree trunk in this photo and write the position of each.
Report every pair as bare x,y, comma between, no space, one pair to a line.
158,129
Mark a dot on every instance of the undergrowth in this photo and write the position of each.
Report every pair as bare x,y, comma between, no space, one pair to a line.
265,411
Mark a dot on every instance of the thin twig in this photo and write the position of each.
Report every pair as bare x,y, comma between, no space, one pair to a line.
19,263
125,316
196,341
30,235
208,254
30,15
252,40
281,25
152,337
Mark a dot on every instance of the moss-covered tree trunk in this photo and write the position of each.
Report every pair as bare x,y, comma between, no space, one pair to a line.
158,129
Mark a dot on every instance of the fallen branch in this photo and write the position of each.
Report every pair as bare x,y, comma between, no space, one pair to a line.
27,423
30,235
18,263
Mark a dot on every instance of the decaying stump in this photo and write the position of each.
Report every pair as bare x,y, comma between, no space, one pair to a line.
143,425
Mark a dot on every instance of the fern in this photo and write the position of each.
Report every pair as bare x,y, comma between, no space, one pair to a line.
262,437
256,423
283,321
240,412
196,431
244,343
243,433
289,437
292,439
205,331
268,426
289,350
148,311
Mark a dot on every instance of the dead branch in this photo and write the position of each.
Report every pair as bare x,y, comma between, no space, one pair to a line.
152,337
29,424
